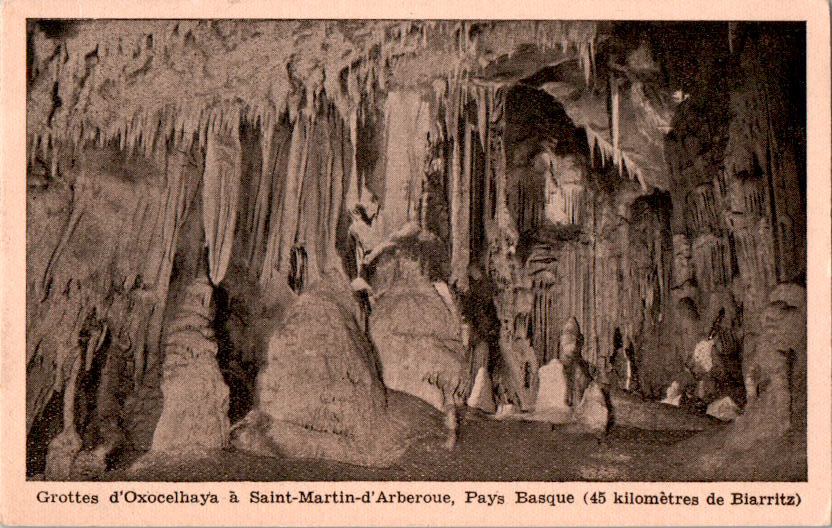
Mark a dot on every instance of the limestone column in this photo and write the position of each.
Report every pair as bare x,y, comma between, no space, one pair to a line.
195,412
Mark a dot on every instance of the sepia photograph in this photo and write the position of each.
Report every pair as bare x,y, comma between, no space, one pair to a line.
415,250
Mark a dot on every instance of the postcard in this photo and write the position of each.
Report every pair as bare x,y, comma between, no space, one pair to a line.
444,264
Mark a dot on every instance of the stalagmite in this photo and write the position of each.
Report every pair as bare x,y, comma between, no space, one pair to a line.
64,447
195,412
593,412
419,339
551,393
319,393
723,409
482,394
673,394
220,191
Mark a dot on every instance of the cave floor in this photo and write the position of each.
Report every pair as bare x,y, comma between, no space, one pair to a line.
490,450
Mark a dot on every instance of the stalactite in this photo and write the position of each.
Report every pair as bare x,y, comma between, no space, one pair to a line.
419,150
272,140
293,195
732,29
587,61
406,128
220,191
269,272
177,202
460,207
254,155
310,199
614,115
326,198
336,203
710,255
284,210
465,202
352,186
144,240
482,115
459,270
619,158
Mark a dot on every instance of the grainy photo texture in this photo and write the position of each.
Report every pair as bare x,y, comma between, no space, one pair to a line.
416,250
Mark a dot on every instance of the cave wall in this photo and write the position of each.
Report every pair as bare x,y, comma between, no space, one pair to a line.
102,243
143,219
583,241
657,267
739,191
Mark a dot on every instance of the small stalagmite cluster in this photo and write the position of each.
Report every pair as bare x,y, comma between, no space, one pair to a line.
258,233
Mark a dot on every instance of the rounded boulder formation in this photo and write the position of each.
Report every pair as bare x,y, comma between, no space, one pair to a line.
319,394
418,335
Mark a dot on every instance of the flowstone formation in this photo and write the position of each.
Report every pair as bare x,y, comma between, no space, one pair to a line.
418,333
195,409
322,239
319,393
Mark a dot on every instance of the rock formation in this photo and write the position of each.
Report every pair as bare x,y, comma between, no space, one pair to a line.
550,403
575,368
347,207
319,393
482,393
195,409
593,412
419,337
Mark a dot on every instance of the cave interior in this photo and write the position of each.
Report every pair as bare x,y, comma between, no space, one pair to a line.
317,240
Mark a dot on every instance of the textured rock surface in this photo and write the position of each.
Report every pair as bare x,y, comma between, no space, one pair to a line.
593,413
319,393
419,339
98,274
61,455
723,409
673,394
482,393
195,408
777,367
551,394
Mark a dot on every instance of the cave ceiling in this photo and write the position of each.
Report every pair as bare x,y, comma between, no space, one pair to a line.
139,82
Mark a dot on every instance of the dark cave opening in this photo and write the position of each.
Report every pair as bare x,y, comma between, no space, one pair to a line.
45,427
239,369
